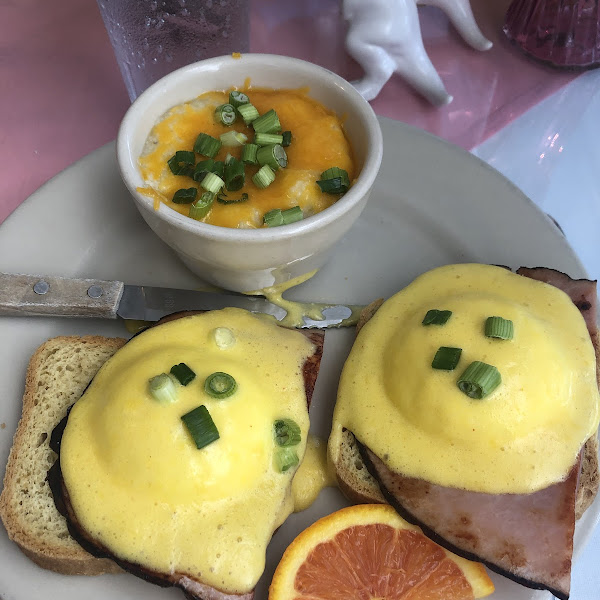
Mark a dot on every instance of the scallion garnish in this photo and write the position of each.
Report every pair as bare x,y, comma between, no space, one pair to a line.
267,123
201,426
285,458
287,432
273,155
202,168
446,358
183,373
334,181
248,112
207,145
497,327
264,177
219,168
225,114
185,196
479,379
249,154
235,176
202,206
236,98
182,163
436,317
291,215
224,337
264,139
287,138
231,139
220,385
273,218
163,388
212,183
223,199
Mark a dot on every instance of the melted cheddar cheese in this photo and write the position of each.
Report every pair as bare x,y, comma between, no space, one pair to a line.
521,438
318,143
135,478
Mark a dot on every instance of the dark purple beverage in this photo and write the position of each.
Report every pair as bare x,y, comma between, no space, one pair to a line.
565,33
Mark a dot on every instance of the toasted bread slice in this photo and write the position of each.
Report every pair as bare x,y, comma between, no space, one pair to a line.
58,372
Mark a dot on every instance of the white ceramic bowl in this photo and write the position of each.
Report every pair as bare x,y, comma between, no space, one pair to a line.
250,259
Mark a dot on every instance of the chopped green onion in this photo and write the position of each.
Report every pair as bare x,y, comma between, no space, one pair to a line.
291,215
479,379
225,114
497,327
229,158
236,98
182,162
202,206
219,168
446,358
183,373
224,337
287,138
202,168
201,426
248,112
231,139
273,155
264,139
334,181
235,176
287,432
185,196
273,218
285,458
163,388
249,154
207,145
212,183
436,317
264,177
220,385
222,199
267,123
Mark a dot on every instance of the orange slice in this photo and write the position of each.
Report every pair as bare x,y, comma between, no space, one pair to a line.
368,552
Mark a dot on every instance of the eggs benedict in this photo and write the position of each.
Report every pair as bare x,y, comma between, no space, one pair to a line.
470,395
177,461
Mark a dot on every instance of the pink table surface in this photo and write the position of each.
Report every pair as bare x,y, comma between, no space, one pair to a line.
62,93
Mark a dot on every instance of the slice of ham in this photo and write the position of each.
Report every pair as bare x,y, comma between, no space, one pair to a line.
527,537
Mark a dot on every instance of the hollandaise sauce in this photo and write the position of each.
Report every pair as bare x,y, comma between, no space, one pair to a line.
318,143
521,437
138,483
312,476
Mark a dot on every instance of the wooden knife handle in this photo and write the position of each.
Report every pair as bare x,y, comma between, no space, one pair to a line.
30,295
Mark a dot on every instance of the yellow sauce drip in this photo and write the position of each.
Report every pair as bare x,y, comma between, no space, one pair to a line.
318,143
296,310
137,481
312,476
521,438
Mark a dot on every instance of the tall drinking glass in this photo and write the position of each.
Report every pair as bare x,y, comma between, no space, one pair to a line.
152,37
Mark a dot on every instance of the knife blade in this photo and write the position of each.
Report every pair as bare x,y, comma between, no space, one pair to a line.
31,295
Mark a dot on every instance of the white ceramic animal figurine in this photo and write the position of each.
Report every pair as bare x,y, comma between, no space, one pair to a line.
384,36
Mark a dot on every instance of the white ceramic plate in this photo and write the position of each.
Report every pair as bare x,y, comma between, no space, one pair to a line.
433,204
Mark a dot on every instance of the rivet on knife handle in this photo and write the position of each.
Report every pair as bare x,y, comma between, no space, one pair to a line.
58,296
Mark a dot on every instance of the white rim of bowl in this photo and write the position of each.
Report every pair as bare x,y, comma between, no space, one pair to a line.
363,182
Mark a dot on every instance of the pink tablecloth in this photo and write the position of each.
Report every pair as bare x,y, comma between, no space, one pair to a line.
62,94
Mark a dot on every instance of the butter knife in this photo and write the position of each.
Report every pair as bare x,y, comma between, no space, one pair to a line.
30,295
